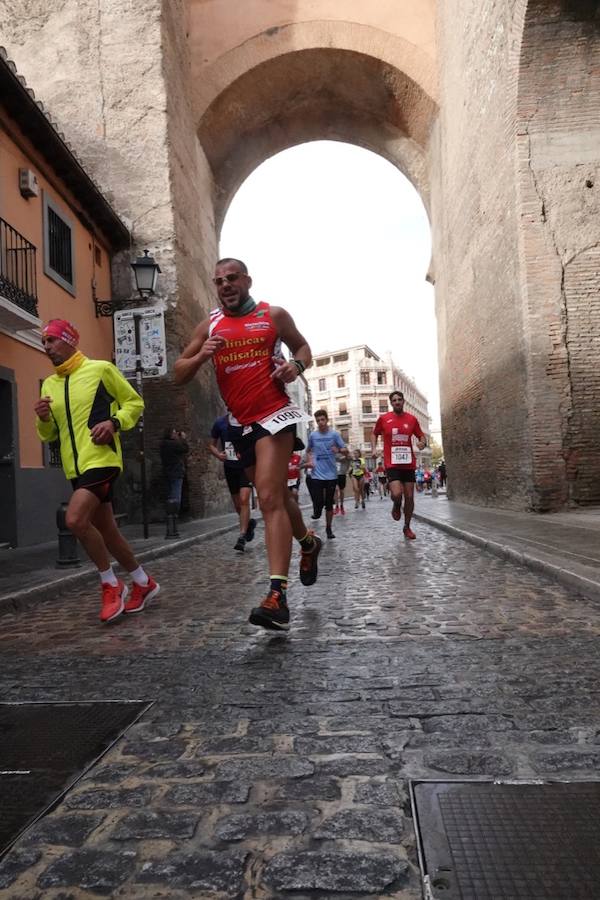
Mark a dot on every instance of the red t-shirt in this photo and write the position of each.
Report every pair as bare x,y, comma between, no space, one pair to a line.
244,365
397,434
294,467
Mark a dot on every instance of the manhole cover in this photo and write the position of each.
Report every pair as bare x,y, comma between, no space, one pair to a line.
488,841
45,748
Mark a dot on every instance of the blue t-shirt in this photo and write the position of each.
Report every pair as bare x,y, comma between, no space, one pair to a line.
220,432
321,446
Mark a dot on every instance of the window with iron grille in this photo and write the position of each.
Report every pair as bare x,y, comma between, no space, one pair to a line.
365,378
383,406
52,453
322,384
367,406
381,378
59,256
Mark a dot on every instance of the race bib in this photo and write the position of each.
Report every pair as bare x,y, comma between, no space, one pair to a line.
289,415
401,455
230,453
292,482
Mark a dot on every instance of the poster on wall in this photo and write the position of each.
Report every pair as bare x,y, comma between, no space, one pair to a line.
153,345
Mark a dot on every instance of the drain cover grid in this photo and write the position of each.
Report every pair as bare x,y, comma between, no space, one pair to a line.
490,841
46,747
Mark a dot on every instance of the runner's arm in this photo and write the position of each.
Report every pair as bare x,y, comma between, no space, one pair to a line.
298,346
213,448
198,351
45,424
131,405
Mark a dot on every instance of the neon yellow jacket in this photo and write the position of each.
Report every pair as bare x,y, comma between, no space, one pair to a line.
93,392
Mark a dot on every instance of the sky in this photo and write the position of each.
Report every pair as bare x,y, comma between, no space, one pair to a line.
340,238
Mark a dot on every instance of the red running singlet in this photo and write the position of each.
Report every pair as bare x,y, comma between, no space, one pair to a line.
245,364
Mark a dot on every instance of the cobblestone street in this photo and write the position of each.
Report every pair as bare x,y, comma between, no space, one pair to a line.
271,766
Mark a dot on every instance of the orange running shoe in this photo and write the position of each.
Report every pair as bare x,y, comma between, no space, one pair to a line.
396,512
113,601
141,596
308,562
408,533
273,613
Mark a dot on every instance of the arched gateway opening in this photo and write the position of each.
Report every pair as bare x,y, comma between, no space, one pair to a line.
341,238
312,81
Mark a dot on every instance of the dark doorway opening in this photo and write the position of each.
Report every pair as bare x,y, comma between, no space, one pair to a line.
8,496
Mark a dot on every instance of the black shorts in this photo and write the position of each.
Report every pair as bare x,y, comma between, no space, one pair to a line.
382,479
236,479
406,476
322,492
98,482
245,444
341,480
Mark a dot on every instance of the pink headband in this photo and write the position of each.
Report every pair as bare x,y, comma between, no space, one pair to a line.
63,330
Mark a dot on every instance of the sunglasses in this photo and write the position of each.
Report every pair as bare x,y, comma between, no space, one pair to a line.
227,279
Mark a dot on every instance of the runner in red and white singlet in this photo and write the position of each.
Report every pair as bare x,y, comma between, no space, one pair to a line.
243,340
400,462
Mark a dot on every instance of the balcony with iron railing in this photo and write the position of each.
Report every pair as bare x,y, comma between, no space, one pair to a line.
18,278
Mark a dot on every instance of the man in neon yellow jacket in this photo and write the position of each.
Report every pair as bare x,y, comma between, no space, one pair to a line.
84,405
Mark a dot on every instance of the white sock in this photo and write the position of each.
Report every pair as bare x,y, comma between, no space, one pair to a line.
139,576
109,577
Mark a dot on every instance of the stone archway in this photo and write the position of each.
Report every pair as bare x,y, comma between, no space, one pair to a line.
314,80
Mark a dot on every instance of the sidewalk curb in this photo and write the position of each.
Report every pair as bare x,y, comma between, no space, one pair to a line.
19,600
590,589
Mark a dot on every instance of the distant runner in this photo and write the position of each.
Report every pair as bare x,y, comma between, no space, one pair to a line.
397,429
324,445
239,487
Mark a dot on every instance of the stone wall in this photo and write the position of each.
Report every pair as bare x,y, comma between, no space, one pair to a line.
559,181
483,366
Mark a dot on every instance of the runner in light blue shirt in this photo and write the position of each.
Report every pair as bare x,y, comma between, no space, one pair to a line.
324,445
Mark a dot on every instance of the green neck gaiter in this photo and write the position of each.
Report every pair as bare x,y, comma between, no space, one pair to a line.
248,306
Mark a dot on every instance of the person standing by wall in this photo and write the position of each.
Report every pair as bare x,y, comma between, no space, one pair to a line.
173,451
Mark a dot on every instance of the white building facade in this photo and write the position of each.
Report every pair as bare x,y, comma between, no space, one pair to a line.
353,385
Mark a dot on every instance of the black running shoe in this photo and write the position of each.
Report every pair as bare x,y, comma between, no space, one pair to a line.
250,530
273,613
240,544
308,562
330,534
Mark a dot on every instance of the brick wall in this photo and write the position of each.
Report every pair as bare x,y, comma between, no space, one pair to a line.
559,181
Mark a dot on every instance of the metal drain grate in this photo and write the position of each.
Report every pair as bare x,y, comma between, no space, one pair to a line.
494,841
45,748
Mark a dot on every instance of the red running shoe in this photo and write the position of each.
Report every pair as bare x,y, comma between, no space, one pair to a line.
342,511
113,601
410,535
396,512
140,596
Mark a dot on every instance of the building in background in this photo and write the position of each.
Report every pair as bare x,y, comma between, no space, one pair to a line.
57,236
353,385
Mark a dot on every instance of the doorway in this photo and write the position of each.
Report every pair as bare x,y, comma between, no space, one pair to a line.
8,495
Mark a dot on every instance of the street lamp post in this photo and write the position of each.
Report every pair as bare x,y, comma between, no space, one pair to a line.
146,272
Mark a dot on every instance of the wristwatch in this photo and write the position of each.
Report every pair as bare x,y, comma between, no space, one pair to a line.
116,423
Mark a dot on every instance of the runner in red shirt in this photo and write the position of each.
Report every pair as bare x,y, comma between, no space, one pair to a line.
397,429
294,464
243,340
